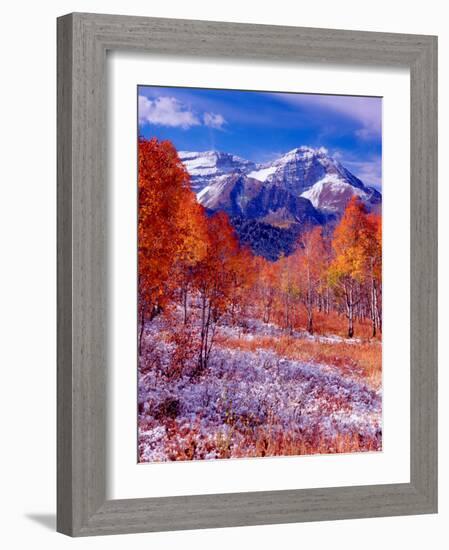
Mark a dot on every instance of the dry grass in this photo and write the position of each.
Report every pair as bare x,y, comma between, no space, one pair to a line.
332,323
190,444
292,444
357,359
328,323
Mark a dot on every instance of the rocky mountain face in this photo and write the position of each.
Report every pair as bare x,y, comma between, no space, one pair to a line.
270,204
206,166
241,195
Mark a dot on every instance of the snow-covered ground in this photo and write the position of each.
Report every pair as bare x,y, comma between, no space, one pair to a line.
255,328
250,403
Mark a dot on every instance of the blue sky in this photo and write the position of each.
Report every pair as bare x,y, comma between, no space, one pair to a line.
261,126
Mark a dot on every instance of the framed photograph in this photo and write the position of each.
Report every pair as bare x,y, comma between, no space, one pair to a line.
247,278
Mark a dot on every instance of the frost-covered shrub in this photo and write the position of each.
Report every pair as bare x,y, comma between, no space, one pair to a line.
248,403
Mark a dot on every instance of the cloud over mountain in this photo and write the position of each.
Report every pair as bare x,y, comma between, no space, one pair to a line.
166,111
169,111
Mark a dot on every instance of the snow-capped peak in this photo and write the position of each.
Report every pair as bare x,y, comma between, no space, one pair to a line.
306,172
303,152
332,193
205,166
262,174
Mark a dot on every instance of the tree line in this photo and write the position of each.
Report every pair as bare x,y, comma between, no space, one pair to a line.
193,262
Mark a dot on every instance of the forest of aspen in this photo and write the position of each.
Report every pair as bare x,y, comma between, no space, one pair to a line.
239,356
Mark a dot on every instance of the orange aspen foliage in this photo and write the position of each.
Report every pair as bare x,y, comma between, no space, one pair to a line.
354,246
374,268
243,277
349,242
171,225
311,263
266,285
214,280
161,185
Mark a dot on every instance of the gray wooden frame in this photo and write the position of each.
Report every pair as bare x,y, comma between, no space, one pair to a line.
83,40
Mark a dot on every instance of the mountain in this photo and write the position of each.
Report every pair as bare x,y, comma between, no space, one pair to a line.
264,239
314,175
269,204
243,196
301,168
206,166
331,194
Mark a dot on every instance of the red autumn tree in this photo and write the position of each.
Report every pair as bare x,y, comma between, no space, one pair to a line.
242,272
288,290
192,248
311,264
266,285
164,235
214,281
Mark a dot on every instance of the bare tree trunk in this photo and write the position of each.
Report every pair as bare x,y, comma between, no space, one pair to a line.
185,295
287,318
211,341
206,338
309,321
267,309
350,324
142,328
205,341
202,333
309,303
374,307
349,291
378,308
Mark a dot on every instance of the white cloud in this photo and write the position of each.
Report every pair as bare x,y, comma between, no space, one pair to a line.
169,111
336,155
166,111
214,120
367,111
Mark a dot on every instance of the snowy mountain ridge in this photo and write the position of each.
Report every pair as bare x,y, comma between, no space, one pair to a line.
302,188
205,166
304,172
